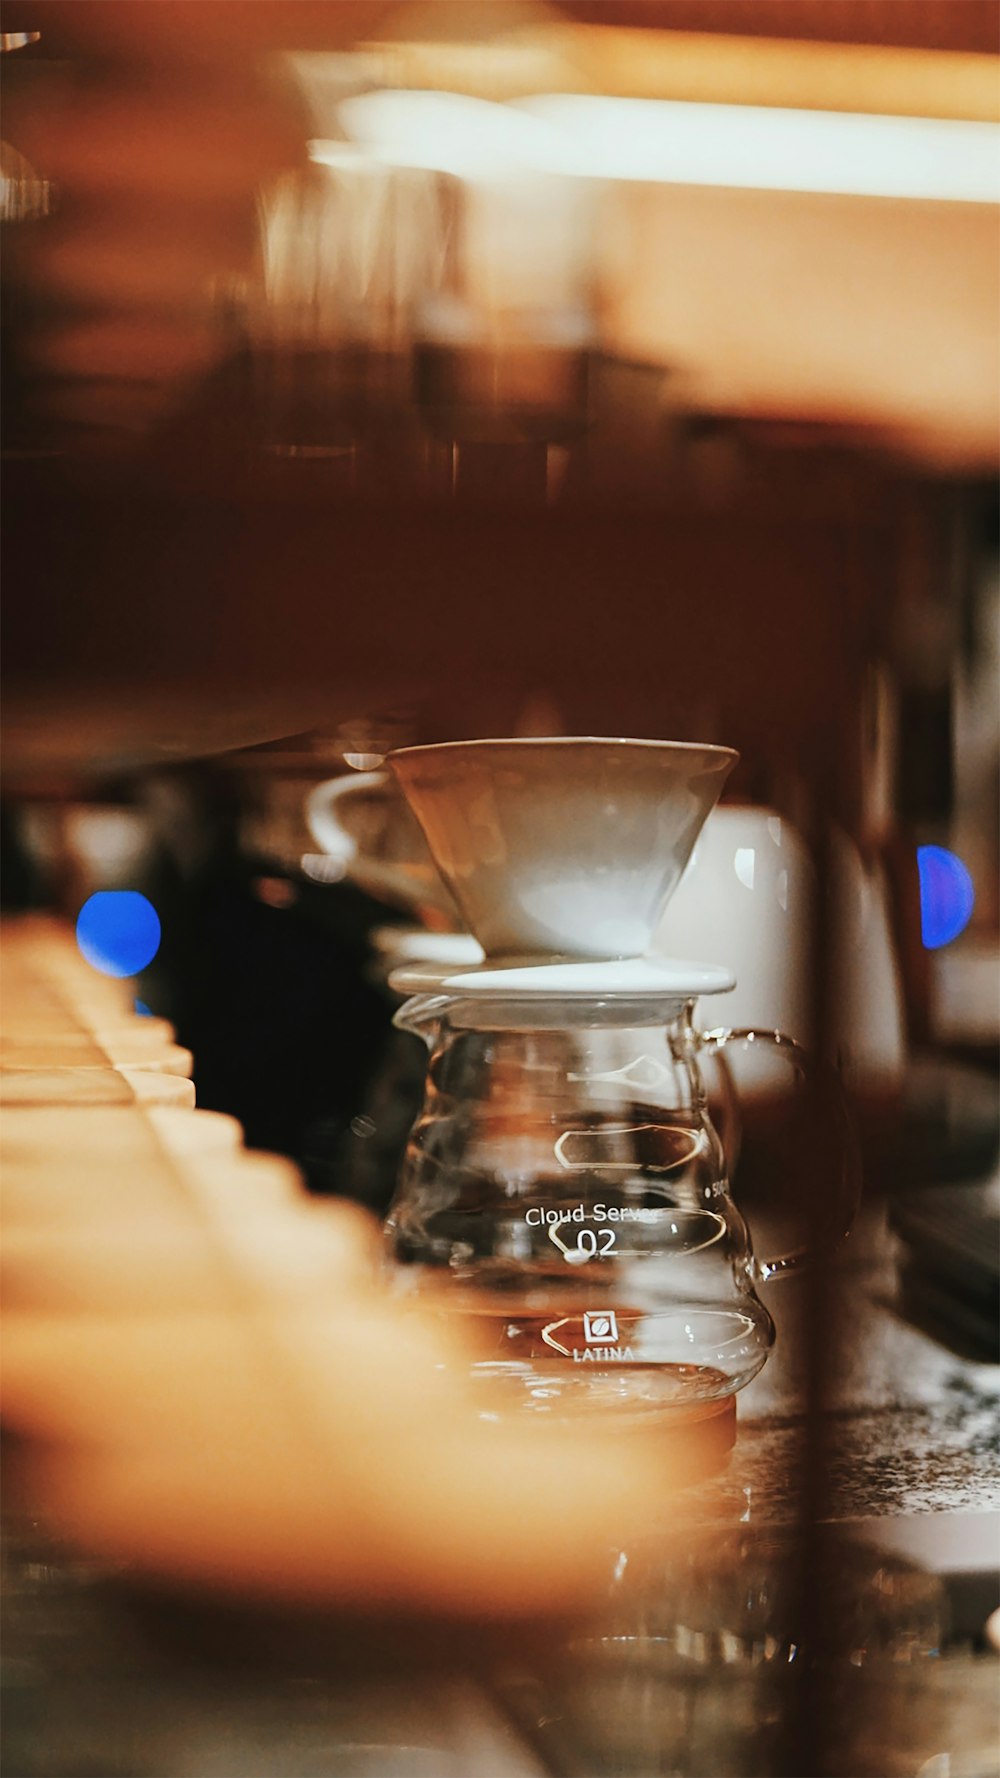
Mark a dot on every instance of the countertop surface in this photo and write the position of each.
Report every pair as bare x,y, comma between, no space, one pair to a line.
92,1688
911,1427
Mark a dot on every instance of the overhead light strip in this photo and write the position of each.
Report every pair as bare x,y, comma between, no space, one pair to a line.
671,142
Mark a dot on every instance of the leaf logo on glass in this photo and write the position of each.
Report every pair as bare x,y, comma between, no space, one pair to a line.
601,1338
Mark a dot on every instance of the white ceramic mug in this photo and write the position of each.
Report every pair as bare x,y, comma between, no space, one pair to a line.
748,900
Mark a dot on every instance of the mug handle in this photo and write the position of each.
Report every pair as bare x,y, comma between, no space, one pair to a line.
844,1201
394,882
321,804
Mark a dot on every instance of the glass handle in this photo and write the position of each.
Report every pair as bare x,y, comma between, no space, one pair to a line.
839,1214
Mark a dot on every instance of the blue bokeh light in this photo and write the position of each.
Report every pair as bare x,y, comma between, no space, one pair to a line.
947,896
118,931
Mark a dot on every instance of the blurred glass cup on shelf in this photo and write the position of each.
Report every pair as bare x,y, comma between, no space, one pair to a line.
516,376
349,246
426,289
24,197
504,356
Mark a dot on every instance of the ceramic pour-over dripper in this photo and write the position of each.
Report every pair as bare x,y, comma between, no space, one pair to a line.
562,848
564,1189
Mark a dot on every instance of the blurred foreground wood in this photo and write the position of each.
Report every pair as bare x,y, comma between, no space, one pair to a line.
206,1380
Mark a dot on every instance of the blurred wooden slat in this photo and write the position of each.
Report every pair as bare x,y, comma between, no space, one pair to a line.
145,629
969,25
924,24
693,65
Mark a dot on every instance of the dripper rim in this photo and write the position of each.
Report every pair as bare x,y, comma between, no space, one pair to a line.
711,747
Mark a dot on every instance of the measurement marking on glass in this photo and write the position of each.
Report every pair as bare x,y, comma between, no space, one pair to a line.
624,1148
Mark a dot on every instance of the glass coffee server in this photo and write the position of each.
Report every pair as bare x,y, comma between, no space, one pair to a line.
564,1189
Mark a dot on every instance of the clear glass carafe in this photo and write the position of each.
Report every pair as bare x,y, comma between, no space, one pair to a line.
564,1190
